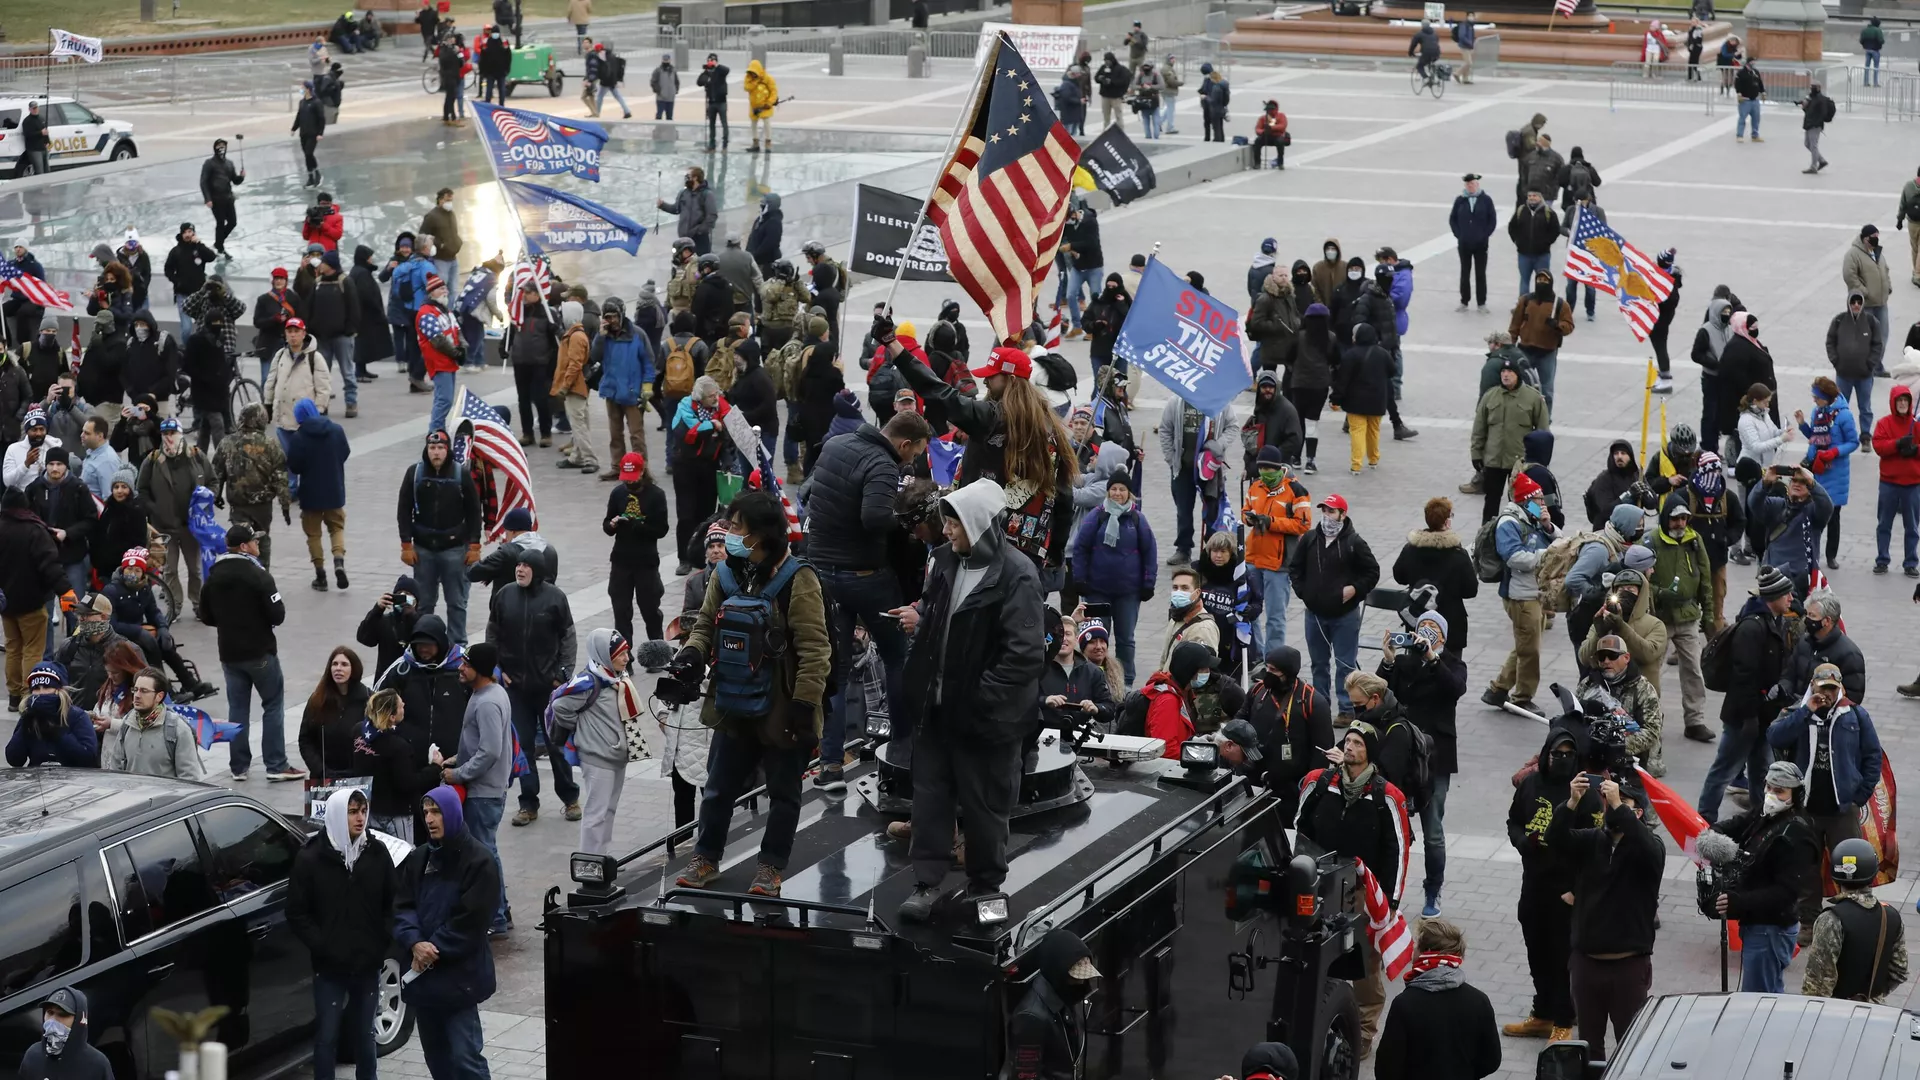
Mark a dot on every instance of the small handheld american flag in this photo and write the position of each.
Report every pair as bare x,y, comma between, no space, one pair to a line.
541,276
479,433
1565,7
1602,258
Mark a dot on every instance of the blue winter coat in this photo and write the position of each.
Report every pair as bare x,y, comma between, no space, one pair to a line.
76,748
1402,294
1832,427
1856,749
407,290
317,454
626,364
1131,565
447,895
1472,228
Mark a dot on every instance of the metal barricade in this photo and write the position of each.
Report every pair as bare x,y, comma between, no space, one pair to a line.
1662,83
1900,97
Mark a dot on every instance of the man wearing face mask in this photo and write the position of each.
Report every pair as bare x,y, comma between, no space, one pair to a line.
1428,681
1350,808
1616,898
1547,870
1682,578
1780,851
1865,271
440,346
1329,272
1187,618
1502,420
699,210
217,177
1332,571
1540,324
1534,228
1277,514
1047,1033
63,1052
1292,722
1171,692
1523,534
26,460
1830,737
1615,680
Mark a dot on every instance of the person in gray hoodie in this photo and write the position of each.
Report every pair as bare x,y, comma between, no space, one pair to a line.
595,707
484,762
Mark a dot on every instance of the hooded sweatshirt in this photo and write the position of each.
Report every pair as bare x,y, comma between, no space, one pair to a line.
1047,1031
341,896
1539,788
1329,273
1613,482
71,1058
596,707
1711,340
448,892
1641,629
1854,340
1894,439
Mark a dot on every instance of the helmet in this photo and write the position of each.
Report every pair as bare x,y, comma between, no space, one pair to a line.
813,249
783,269
1682,439
707,262
681,247
1855,862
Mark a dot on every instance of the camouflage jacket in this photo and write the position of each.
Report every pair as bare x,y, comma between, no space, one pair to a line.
1637,697
780,304
251,468
680,290
1823,959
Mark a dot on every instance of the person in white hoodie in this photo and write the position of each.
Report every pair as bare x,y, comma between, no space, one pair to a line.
26,460
595,707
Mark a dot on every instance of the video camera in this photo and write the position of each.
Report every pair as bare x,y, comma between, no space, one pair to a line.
1608,728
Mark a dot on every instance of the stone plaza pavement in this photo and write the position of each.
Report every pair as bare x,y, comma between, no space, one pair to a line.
1371,166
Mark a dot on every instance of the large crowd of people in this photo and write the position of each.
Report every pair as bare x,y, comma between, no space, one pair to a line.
961,549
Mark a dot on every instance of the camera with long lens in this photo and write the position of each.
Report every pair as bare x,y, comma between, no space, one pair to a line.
1608,728
681,687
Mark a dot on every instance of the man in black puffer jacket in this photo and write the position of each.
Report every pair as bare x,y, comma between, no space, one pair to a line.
849,498
427,675
1332,571
340,900
971,683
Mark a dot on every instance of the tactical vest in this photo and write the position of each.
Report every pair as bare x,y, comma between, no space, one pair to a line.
781,304
1856,965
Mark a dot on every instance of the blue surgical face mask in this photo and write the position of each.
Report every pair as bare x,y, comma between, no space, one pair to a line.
737,546
1202,679
1180,598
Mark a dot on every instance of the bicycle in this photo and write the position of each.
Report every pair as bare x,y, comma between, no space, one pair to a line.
1434,80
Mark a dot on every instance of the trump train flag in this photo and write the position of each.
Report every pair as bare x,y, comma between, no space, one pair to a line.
556,221
1187,340
534,144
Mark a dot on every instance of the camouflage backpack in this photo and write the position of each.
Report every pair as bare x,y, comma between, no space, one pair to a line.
720,363
787,364
780,305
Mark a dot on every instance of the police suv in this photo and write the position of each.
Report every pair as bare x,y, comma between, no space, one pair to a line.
76,135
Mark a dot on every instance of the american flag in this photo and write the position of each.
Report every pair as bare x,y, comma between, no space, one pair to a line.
1602,258
35,290
514,129
1565,7
770,481
74,352
1002,199
1386,927
477,431
1053,331
538,272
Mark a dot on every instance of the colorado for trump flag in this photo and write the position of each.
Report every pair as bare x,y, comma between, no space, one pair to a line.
529,143
1602,258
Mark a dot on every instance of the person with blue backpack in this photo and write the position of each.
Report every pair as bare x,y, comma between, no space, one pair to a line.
762,633
406,274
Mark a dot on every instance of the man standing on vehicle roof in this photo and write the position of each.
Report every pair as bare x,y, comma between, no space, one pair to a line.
971,683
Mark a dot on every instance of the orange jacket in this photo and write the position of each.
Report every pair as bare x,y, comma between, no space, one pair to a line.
1292,515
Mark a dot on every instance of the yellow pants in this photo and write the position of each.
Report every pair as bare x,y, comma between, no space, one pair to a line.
1520,673
336,523
26,641
1364,433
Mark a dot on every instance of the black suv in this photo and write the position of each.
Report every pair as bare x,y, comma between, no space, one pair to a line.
145,892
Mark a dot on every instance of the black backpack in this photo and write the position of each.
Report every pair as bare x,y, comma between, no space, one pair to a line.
1516,144
615,69
1419,788
1716,659
1132,719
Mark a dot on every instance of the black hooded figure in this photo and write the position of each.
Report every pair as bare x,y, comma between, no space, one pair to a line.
1269,1061
1293,721
1047,1033
63,1052
1616,478
1546,920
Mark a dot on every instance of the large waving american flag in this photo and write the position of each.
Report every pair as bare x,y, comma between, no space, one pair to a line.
478,432
1602,258
1002,198
35,290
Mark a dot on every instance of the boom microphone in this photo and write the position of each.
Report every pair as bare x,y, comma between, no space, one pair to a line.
654,656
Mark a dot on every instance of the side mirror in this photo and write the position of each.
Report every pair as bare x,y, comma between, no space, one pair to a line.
1565,1061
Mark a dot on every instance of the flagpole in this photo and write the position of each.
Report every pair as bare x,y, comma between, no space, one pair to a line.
513,214
980,82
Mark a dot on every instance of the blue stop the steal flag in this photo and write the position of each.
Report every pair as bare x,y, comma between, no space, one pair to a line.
1187,340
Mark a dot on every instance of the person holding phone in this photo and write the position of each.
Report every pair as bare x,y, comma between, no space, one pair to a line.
1616,896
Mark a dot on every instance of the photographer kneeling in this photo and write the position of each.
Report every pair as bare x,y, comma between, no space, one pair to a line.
1771,851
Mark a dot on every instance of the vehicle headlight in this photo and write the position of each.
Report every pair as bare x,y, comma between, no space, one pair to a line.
597,870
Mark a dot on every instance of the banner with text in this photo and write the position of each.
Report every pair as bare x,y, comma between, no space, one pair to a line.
882,228
1044,48
89,49
556,221
1187,340
1117,166
534,144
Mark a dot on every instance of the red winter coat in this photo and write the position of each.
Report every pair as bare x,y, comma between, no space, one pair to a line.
327,233
1167,716
1887,433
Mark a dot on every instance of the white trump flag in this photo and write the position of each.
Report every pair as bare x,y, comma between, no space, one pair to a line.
89,49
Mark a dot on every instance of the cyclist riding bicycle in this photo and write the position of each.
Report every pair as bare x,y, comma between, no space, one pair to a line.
1427,42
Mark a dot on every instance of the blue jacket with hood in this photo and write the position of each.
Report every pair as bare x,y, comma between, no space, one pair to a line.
449,890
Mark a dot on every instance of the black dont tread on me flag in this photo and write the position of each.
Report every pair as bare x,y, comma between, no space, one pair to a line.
882,224
1117,166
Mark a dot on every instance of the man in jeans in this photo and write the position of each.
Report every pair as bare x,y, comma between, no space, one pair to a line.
484,762
851,509
1080,244
242,604
439,524
340,906
1332,571
1757,656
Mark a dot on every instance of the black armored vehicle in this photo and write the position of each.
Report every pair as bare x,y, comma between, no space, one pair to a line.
1210,929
